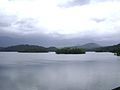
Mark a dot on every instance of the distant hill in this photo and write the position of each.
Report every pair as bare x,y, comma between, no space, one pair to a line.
88,46
51,49
25,48
113,48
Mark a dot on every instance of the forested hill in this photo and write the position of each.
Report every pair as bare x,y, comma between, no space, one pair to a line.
113,48
25,48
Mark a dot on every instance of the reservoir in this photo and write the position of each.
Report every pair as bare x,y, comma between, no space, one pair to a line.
50,71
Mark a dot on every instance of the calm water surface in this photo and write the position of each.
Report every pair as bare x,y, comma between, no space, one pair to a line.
49,71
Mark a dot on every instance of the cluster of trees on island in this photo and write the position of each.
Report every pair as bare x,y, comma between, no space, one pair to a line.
66,50
70,51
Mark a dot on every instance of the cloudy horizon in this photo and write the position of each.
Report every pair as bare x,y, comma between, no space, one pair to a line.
59,22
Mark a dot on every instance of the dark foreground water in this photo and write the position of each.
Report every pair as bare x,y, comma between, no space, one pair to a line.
40,71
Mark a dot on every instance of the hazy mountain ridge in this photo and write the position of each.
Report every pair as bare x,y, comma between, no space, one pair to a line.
26,47
36,48
88,46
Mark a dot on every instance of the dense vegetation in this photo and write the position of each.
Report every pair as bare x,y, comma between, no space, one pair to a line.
113,49
70,51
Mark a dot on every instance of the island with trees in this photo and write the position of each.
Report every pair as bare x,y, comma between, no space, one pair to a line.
68,50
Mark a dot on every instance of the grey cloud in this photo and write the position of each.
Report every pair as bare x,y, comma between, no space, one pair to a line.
10,23
3,24
5,21
75,3
44,40
79,2
26,24
83,2
49,40
103,0
98,20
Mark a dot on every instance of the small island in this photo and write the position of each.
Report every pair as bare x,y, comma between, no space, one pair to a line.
68,50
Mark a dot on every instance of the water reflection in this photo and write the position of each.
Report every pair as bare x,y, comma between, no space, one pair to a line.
48,72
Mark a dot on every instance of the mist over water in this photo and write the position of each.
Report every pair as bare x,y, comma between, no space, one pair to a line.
49,71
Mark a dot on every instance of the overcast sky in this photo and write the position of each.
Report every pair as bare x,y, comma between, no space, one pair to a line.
90,20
